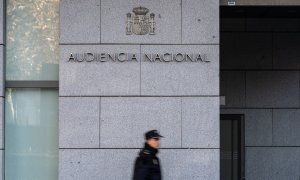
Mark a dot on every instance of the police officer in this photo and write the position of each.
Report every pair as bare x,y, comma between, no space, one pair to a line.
147,166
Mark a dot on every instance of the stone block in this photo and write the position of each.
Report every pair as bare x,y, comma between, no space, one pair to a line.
259,24
180,78
232,85
272,163
258,164
286,25
79,21
233,24
124,120
258,127
286,127
200,122
2,123
79,122
113,164
286,51
273,24
200,22
272,89
94,164
191,164
246,50
285,163
2,71
167,21
110,78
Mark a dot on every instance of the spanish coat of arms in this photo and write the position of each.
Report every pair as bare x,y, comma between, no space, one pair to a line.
139,23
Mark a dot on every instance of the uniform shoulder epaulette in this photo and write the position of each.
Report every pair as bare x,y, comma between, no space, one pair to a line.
145,152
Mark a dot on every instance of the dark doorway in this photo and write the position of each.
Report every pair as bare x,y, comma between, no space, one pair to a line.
232,147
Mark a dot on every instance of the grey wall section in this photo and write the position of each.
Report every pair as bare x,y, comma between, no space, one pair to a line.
173,79
95,79
113,15
116,163
260,78
2,86
105,108
2,138
79,21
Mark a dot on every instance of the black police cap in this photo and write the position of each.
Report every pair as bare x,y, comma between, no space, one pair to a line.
152,134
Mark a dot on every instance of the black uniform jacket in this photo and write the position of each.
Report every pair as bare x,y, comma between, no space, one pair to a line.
147,166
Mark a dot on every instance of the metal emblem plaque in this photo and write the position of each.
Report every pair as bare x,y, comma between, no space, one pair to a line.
139,22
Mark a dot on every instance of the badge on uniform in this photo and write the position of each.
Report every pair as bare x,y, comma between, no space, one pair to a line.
155,161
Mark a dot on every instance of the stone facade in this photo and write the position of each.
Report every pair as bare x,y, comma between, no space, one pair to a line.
105,107
260,79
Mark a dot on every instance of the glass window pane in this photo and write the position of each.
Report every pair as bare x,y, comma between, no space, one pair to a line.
31,134
32,40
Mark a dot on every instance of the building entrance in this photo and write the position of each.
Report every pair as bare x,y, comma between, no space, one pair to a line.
232,147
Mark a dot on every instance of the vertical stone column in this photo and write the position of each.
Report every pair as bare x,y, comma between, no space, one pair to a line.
105,107
2,88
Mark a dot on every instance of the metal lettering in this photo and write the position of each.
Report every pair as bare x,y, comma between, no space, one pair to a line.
89,57
179,54
134,58
190,57
102,57
122,54
199,58
122,57
110,57
205,59
79,57
149,57
157,57
167,54
71,57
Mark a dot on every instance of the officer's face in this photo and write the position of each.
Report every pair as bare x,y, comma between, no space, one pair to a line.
154,142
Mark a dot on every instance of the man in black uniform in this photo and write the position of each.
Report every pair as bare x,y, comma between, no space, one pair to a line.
147,166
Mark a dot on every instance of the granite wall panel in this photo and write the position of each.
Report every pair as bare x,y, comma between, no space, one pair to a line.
200,22
95,78
286,127
272,89
79,21
112,164
124,120
79,122
246,50
272,163
200,122
286,51
167,21
180,78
